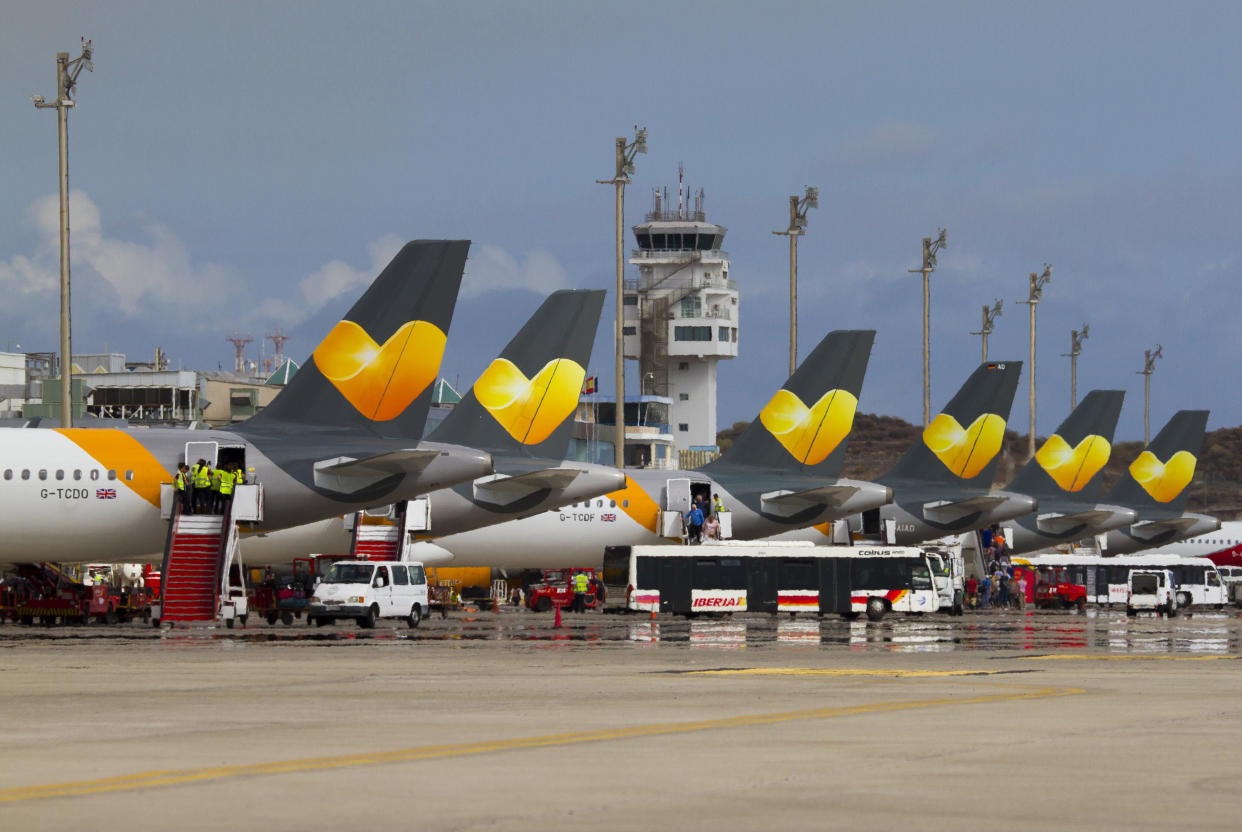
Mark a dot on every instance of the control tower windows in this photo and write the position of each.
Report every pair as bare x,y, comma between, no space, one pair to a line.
692,333
722,333
630,300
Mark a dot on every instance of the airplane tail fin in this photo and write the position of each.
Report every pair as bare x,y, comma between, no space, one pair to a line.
960,446
524,402
1159,477
804,428
1068,461
374,370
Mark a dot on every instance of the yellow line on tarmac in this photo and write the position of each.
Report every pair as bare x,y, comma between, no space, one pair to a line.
842,672
1121,657
149,779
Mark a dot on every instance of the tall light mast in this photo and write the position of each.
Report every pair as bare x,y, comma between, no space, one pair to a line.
1149,367
1076,339
1036,293
797,227
989,323
930,247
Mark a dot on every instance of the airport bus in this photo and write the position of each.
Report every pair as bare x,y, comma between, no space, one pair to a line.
1107,580
773,577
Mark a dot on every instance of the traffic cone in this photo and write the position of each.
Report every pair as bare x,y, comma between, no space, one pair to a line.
557,623
653,613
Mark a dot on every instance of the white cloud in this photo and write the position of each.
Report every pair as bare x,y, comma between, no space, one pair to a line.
329,282
889,141
492,269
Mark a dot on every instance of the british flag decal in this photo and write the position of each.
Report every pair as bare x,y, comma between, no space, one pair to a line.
105,493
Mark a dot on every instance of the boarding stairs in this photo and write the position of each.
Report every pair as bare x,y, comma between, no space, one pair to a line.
384,533
199,554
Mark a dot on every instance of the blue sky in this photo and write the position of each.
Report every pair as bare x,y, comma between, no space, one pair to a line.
252,165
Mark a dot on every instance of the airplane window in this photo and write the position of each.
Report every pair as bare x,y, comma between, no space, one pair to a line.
612,503
77,473
25,473
42,473
129,475
599,503
8,473
111,474
95,474
60,473
625,504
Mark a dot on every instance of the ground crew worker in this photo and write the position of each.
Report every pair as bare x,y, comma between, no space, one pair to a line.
717,504
180,481
216,503
226,490
581,583
239,475
200,476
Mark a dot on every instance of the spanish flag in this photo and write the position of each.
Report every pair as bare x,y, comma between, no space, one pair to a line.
589,385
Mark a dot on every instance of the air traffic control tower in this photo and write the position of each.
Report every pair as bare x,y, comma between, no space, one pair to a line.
681,315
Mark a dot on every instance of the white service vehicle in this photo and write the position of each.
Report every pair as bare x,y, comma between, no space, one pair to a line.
369,590
949,574
1151,589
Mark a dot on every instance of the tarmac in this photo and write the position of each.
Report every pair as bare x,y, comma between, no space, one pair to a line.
501,722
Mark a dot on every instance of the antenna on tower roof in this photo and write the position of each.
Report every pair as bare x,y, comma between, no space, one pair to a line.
239,343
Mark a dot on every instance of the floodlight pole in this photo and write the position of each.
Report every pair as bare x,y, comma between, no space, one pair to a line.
989,323
930,247
1037,282
1149,366
797,227
66,78
625,166
1076,339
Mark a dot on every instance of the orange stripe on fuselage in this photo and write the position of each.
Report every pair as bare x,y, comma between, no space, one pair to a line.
642,509
118,451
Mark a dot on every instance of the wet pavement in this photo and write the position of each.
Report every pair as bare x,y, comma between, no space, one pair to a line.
1208,632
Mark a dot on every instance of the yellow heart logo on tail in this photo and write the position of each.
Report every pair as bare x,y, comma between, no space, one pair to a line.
1163,480
1073,468
381,381
810,434
530,409
965,452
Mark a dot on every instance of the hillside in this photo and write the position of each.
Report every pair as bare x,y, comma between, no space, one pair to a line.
878,441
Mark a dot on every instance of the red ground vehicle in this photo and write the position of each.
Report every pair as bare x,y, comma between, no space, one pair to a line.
1056,588
554,590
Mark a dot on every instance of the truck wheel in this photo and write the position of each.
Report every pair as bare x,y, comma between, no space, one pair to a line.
1183,599
111,618
286,618
543,604
367,621
1082,604
1129,610
271,618
876,608
416,615
323,620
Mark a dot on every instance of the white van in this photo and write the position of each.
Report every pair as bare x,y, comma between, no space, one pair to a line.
367,590
1151,589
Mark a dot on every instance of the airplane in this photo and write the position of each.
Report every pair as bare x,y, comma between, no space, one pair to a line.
521,411
1222,546
1156,486
1063,476
782,473
343,436
941,484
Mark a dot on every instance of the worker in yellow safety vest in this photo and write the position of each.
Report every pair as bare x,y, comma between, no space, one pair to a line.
180,481
581,583
226,489
216,503
239,475
200,478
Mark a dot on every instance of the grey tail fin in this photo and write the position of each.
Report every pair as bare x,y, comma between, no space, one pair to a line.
374,371
524,402
805,427
961,445
1069,461
1161,475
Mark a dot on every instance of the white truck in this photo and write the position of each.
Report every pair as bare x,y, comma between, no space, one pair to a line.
1151,589
369,590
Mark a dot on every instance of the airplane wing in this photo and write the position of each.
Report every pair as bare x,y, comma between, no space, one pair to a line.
949,512
1151,528
789,503
502,490
346,474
